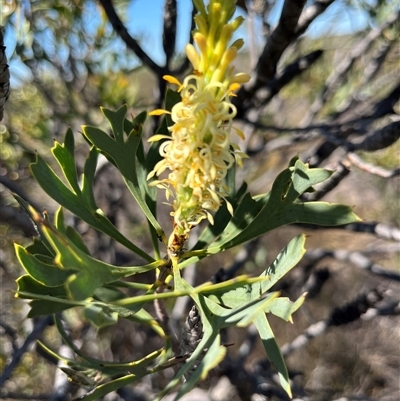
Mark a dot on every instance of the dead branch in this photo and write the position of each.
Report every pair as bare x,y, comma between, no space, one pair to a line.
279,40
384,106
315,282
357,126
389,309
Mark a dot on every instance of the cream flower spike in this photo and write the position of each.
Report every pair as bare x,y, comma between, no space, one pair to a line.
199,152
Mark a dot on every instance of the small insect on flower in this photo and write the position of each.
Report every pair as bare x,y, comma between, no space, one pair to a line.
199,152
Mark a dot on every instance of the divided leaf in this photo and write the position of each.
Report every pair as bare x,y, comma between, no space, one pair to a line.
79,202
122,153
281,206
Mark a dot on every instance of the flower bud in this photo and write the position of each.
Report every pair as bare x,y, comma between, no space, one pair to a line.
192,55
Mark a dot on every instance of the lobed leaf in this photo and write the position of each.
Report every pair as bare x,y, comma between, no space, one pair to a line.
256,216
273,351
122,153
81,205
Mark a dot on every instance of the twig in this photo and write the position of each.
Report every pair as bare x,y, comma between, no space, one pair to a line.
38,328
370,168
385,106
127,38
359,126
315,282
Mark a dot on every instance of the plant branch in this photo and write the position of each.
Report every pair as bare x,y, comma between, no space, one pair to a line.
38,328
385,106
127,38
169,31
264,95
281,37
310,13
4,74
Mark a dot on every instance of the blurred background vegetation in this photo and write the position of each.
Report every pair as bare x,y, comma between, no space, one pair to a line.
330,96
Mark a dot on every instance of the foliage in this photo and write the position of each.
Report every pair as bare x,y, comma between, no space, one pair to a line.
354,92
60,273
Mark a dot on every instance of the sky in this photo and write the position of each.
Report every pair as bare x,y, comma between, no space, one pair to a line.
144,20
338,19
